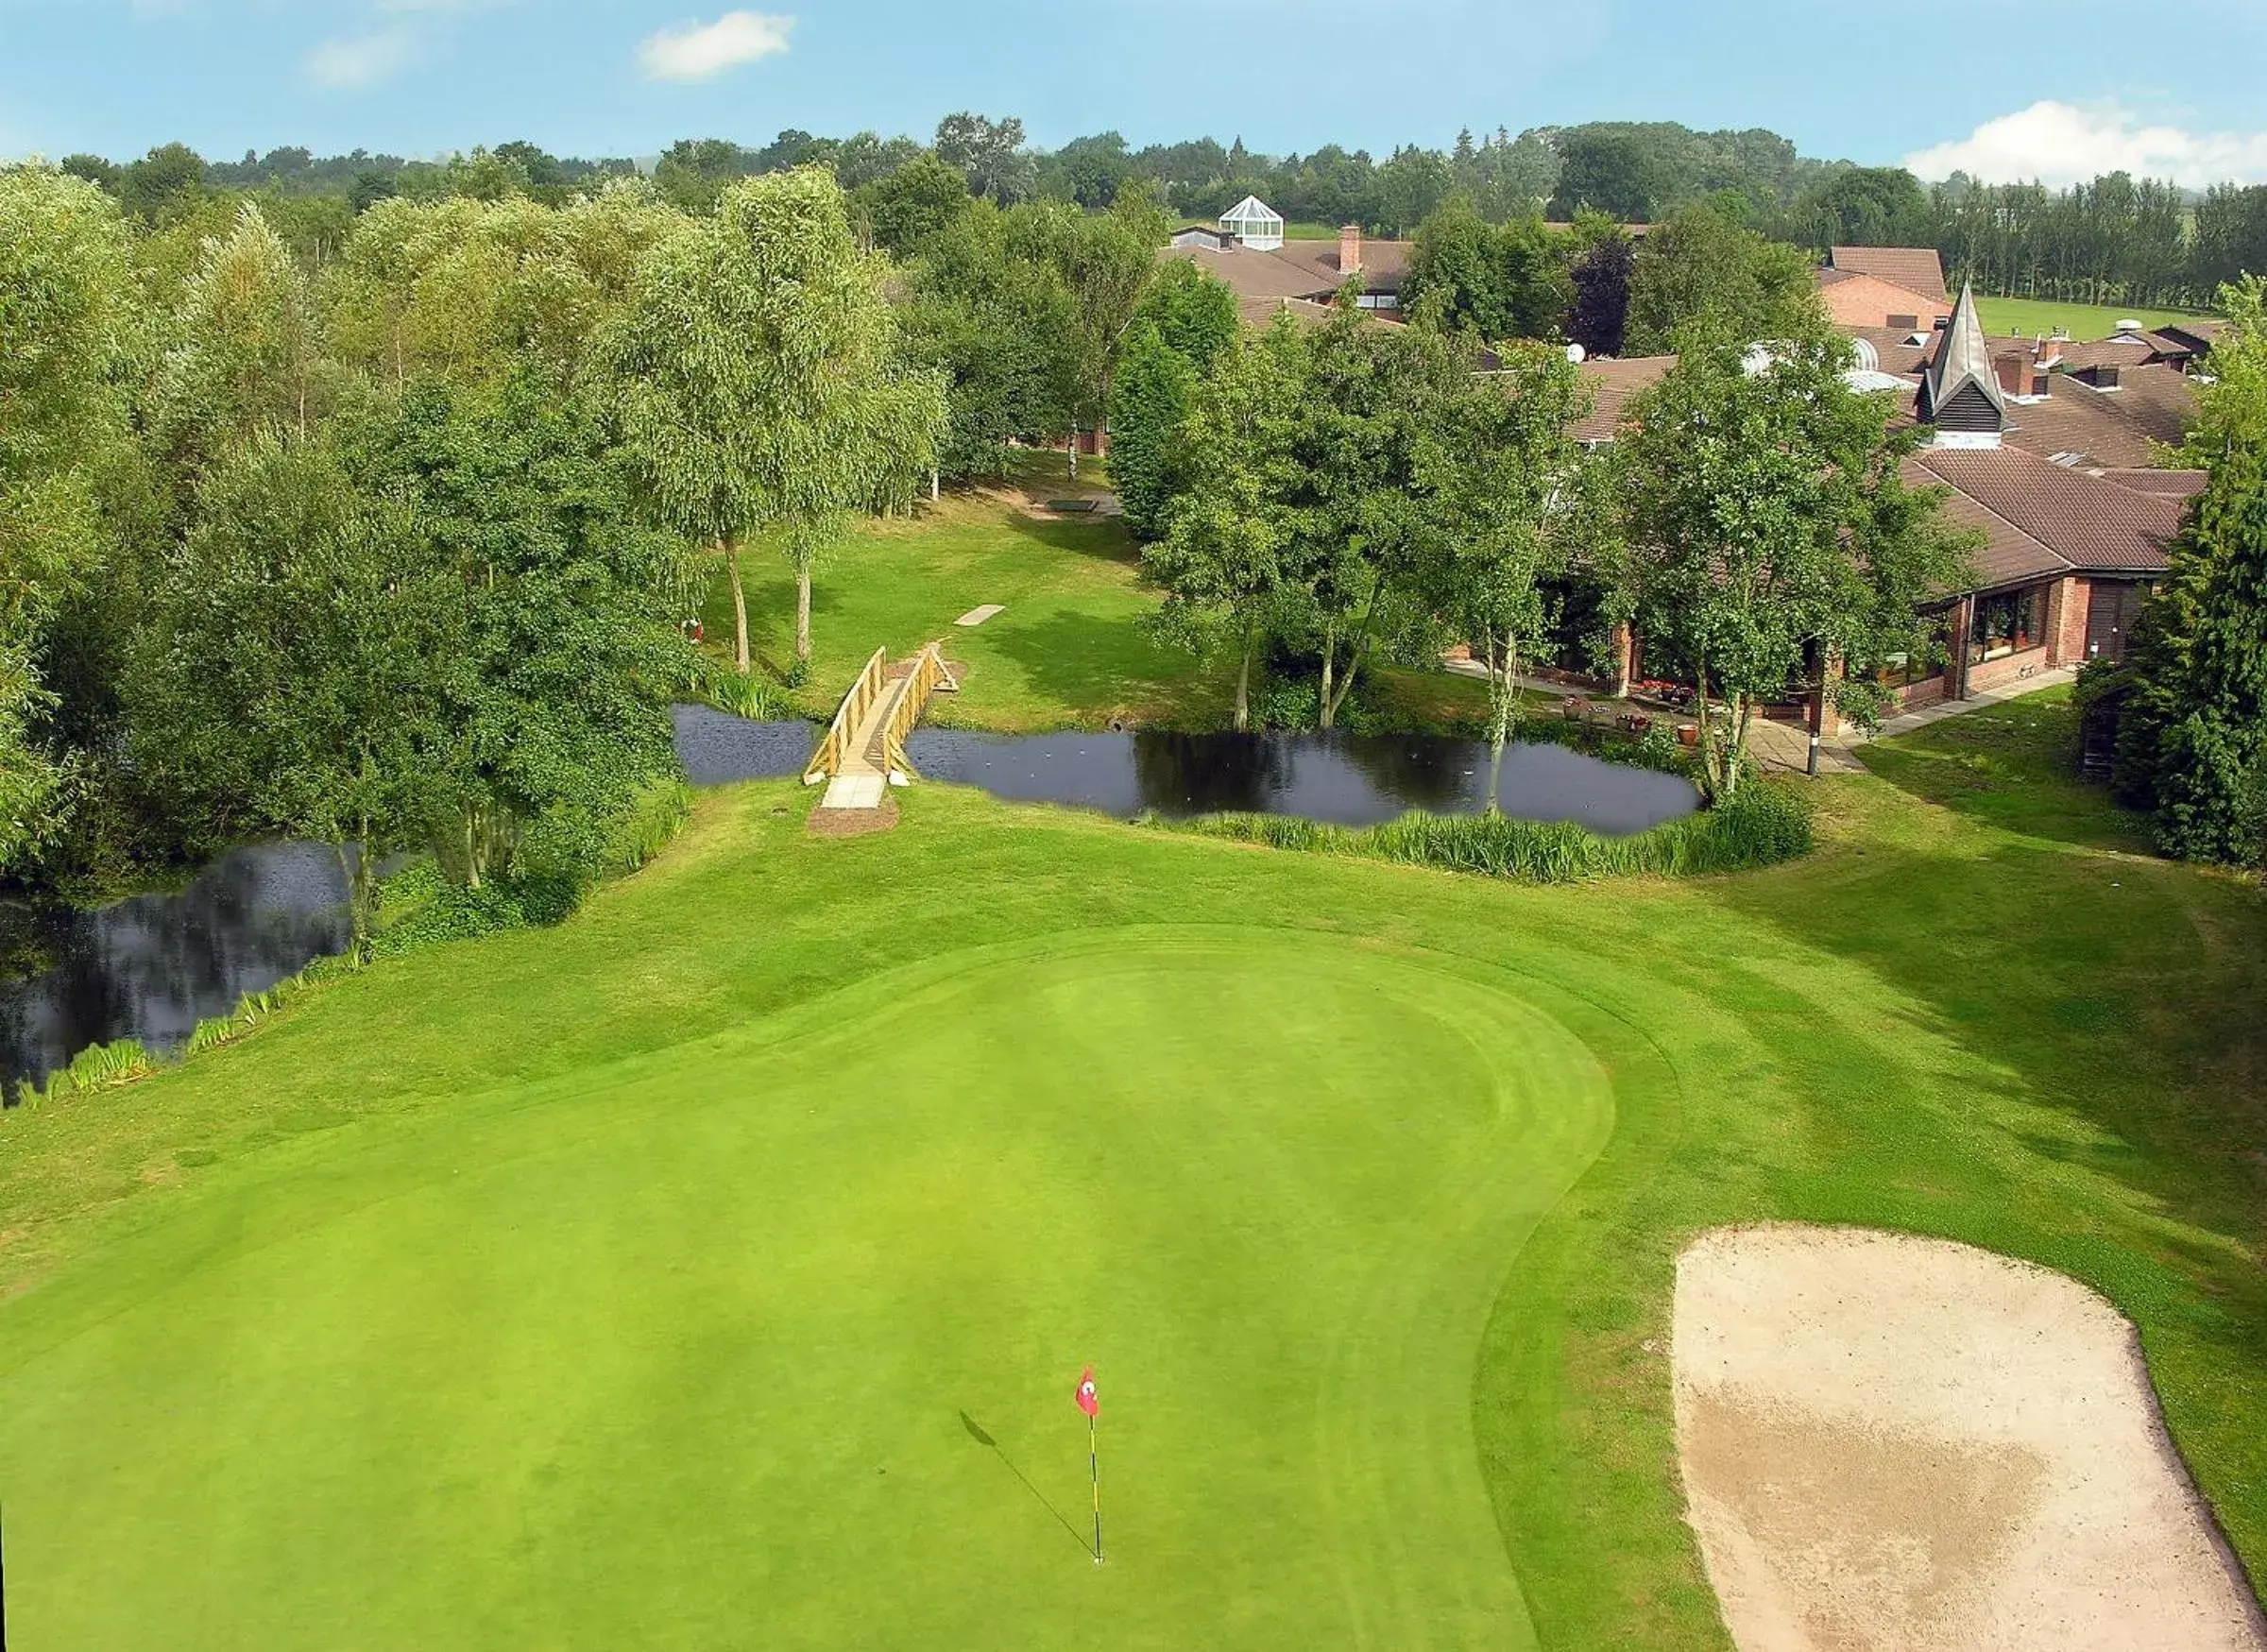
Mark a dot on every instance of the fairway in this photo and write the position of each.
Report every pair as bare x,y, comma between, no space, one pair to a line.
2037,317
696,1350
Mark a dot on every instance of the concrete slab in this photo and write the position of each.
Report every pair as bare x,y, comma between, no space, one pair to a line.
855,791
976,617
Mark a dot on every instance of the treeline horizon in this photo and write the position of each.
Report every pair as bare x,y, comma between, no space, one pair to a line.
2114,240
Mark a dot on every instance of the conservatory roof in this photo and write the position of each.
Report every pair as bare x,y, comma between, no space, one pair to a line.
1251,209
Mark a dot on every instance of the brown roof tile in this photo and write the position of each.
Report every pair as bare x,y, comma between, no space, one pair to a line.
1297,270
1915,268
2171,484
2092,524
2117,429
1615,380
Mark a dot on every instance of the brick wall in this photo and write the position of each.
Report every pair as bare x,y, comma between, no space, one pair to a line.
1869,301
1998,674
2067,607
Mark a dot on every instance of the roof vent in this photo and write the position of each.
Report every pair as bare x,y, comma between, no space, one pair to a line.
2129,329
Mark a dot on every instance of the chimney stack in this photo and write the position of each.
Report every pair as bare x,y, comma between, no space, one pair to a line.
1350,248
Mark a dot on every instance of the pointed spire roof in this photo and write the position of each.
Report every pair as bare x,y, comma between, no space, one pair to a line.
1962,358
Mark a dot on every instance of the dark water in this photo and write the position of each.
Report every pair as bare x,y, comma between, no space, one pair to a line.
1347,779
1342,778
715,748
154,966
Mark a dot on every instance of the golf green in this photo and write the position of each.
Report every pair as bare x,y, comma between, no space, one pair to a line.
769,1337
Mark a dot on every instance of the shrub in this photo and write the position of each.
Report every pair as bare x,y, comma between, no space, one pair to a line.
1761,825
754,696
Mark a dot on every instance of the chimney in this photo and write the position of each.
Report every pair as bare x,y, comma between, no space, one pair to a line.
1350,248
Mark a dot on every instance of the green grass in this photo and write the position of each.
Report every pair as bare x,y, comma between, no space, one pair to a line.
2032,316
1069,653
628,1283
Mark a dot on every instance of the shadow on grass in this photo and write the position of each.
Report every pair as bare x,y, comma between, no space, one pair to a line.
2012,766
1096,663
977,1431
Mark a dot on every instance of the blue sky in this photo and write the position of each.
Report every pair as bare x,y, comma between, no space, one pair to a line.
2017,87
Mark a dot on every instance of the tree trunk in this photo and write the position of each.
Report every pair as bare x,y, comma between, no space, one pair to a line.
1354,655
1243,687
1503,693
740,608
936,486
803,609
357,866
1330,649
1074,452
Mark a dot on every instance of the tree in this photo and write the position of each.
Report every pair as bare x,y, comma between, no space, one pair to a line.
554,638
1107,260
1866,206
2192,735
1507,281
1502,466
1001,327
1700,267
1768,532
249,356
70,340
1228,557
761,382
283,681
1598,320
1609,170
1186,320
989,153
907,207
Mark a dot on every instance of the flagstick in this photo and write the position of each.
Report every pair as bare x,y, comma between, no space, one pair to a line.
1093,1467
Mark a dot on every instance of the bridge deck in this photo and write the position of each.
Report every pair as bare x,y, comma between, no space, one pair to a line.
864,779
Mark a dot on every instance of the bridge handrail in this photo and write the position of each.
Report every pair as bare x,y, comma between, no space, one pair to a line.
828,760
929,671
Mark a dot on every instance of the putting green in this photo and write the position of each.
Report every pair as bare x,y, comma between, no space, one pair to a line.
703,1349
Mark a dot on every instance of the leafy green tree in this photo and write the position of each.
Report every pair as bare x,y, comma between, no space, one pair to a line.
1612,171
161,181
1230,559
71,337
1499,282
903,209
1502,467
762,384
283,681
694,173
2193,736
1768,531
1866,206
247,356
1701,268
989,153
1001,327
556,641
1107,260
1408,187
1186,320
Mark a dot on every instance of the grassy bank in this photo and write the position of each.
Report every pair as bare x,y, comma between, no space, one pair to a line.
668,1272
1070,652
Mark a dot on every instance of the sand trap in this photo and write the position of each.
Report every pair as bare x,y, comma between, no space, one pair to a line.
976,617
1891,1442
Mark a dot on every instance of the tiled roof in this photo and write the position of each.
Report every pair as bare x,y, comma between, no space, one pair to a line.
2117,429
2092,524
1917,269
1297,270
2171,484
1614,380
2008,555
1890,349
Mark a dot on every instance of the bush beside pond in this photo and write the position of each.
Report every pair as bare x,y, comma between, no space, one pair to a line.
1761,825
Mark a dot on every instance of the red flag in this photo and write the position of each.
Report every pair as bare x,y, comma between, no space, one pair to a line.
1088,1401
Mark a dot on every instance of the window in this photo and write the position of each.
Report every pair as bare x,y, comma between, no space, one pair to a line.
1926,663
2009,622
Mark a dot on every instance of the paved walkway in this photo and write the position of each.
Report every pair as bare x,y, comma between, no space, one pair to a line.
1784,747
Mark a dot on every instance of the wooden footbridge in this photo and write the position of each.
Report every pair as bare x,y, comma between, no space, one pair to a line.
864,754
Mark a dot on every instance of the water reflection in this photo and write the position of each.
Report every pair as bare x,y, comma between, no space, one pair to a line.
152,967
1346,779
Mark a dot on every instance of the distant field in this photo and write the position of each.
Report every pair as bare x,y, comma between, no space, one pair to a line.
2036,316
1310,231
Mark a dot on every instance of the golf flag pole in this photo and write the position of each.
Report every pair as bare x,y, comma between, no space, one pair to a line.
1090,1402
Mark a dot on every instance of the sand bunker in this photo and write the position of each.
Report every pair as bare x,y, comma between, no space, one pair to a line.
1891,1442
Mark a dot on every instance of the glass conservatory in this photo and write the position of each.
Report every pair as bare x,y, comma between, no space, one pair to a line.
1253,222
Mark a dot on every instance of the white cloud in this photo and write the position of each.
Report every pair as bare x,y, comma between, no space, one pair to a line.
361,60
2063,143
697,51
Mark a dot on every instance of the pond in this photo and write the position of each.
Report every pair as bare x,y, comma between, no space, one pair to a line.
154,966
1343,778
